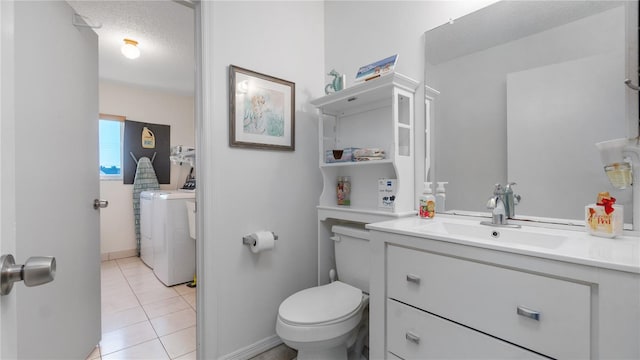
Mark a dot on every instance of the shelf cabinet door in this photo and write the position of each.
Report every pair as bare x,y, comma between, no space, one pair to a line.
403,121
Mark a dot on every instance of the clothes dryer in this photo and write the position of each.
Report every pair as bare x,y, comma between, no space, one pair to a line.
174,252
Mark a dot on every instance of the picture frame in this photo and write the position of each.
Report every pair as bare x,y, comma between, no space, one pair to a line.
261,110
377,69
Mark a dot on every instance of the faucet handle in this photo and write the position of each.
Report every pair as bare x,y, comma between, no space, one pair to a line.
516,199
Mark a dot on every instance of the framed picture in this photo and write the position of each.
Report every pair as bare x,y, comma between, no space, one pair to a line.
261,110
377,69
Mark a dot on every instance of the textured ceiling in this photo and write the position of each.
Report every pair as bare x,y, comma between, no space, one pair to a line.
164,31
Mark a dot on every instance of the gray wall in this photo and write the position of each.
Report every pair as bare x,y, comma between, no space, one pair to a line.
249,189
117,234
360,32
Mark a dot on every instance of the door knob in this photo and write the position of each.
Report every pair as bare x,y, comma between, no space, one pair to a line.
100,204
36,271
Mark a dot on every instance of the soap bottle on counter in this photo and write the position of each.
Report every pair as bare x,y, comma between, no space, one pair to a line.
440,196
427,202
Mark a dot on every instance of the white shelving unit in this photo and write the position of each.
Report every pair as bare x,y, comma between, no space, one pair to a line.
375,114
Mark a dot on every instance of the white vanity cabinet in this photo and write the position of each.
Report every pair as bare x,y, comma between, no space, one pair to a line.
525,309
434,297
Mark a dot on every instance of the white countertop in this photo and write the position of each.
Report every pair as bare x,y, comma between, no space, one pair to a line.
620,253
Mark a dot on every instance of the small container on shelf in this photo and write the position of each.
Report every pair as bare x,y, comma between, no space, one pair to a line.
343,190
338,155
387,193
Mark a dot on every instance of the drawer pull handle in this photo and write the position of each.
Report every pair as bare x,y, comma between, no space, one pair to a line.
412,337
413,278
528,313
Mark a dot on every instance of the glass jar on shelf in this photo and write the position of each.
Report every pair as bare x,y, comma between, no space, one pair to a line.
343,190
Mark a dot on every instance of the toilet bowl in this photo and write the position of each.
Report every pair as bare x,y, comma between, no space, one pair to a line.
326,322
329,330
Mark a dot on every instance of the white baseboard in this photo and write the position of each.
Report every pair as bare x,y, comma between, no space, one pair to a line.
118,254
253,349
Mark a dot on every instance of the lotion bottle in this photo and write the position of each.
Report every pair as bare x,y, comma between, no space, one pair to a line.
440,197
427,202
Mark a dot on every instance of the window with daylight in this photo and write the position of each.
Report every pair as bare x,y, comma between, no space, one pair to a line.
111,128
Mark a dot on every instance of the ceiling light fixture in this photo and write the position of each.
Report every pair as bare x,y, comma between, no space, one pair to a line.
130,49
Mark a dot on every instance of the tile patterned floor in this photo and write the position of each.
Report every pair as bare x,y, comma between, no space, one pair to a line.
142,318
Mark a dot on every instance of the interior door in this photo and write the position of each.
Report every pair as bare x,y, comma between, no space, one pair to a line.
49,179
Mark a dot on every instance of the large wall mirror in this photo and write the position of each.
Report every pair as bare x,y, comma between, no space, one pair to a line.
526,90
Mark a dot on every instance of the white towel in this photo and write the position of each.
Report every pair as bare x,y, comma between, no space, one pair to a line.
369,152
367,158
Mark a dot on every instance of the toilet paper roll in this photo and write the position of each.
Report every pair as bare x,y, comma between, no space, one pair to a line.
263,240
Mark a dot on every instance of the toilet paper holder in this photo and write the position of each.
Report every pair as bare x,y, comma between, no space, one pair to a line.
251,239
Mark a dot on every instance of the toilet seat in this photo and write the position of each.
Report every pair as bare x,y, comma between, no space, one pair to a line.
321,305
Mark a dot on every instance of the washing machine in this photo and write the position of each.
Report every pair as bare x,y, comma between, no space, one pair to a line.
174,251
146,225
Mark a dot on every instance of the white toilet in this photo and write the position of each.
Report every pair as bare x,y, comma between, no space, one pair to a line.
327,322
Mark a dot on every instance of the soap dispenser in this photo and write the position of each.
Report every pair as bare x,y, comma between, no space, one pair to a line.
440,197
427,202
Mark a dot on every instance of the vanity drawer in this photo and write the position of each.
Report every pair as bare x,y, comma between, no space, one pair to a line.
415,334
498,301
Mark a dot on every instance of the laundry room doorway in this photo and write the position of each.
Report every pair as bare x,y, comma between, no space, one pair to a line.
156,88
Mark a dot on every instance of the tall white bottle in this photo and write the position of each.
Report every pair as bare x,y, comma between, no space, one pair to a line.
427,202
440,197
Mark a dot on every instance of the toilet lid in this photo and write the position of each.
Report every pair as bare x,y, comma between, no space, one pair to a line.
321,304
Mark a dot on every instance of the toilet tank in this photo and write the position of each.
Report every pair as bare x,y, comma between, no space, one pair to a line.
352,255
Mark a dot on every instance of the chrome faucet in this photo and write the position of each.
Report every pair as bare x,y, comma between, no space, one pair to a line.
502,205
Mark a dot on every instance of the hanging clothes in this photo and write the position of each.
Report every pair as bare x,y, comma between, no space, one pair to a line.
145,179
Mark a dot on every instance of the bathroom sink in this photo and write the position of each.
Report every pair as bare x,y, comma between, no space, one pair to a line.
504,235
